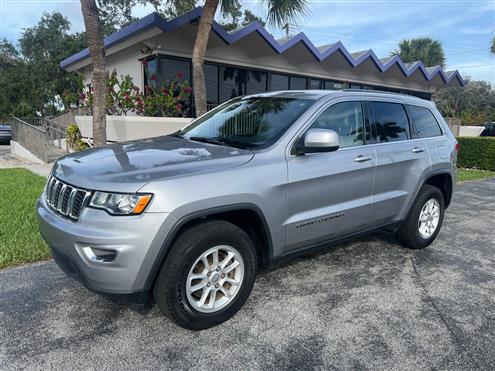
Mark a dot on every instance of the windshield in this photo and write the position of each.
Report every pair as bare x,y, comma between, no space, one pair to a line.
254,122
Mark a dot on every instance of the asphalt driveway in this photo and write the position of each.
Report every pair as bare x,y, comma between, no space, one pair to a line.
369,304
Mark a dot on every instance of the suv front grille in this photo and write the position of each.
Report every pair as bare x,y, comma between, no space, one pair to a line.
65,199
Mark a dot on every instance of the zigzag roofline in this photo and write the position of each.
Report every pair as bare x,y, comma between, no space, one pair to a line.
155,20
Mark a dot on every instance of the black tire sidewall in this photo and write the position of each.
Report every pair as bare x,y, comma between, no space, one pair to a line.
426,194
190,248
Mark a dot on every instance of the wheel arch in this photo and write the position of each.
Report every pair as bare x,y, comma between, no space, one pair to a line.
444,182
243,215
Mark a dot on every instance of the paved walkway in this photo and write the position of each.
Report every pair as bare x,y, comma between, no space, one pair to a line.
8,160
369,304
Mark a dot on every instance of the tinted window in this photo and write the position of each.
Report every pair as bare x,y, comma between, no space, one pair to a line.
297,83
335,85
315,84
279,82
254,122
425,122
211,79
256,82
346,119
169,69
233,83
390,121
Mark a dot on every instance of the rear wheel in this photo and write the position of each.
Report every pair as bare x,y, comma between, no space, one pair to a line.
424,220
207,276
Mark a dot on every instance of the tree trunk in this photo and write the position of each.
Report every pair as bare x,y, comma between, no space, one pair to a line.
198,55
97,52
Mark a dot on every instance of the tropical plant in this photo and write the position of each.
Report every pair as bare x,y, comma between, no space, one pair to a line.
74,138
474,103
279,13
94,34
424,49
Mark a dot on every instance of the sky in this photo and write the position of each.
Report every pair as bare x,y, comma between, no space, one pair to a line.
465,28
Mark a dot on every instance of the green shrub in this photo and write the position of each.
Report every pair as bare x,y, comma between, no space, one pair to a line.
476,153
74,139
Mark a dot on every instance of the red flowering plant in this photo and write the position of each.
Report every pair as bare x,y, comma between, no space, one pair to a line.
167,99
122,96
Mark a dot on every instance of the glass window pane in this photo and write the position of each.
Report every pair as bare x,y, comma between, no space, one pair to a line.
332,85
150,72
256,82
232,83
211,78
169,69
279,82
315,84
391,121
297,83
249,122
425,122
346,119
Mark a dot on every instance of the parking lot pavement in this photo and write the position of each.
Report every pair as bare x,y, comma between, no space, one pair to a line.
369,304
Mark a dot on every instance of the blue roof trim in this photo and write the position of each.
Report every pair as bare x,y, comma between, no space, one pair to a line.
155,20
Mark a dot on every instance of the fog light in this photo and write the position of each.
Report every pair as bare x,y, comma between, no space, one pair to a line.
98,255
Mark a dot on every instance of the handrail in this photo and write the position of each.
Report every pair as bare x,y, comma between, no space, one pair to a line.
22,121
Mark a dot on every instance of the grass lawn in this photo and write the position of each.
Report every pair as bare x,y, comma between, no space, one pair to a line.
473,174
20,240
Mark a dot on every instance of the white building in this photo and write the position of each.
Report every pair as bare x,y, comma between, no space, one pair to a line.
250,60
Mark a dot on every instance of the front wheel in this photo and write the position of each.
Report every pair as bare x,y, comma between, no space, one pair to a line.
207,276
424,220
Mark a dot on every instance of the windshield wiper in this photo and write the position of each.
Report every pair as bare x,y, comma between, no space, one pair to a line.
210,140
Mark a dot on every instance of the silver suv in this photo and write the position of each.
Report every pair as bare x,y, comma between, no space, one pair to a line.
186,219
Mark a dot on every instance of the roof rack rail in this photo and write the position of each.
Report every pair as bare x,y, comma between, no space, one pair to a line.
380,92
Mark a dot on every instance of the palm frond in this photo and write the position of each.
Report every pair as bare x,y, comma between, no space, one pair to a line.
281,12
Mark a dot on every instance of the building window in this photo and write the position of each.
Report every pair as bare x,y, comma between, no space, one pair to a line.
232,83
211,80
315,84
279,82
150,74
297,83
169,68
256,82
332,85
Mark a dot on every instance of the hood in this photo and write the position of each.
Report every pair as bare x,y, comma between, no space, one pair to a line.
127,166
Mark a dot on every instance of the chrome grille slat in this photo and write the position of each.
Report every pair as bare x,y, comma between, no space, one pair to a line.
65,199
60,198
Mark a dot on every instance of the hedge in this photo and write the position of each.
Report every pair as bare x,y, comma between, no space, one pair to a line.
476,153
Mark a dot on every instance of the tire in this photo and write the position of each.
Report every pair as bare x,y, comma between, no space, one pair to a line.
412,233
172,293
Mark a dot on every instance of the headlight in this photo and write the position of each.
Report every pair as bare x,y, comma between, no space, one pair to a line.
120,204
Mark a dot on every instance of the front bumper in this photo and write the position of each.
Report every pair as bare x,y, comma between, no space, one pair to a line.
137,240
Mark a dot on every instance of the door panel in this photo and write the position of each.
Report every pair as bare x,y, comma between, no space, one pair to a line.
329,194
401,161
399,168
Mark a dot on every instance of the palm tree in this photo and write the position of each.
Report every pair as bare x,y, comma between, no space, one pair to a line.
492,48
279,13
424,49
98,82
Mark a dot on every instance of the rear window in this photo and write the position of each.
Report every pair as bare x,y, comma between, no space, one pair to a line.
426,124
391,122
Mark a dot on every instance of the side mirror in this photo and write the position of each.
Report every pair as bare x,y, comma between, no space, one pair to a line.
318,140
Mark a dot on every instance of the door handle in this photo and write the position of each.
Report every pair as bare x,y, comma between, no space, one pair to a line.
362,158
418,150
